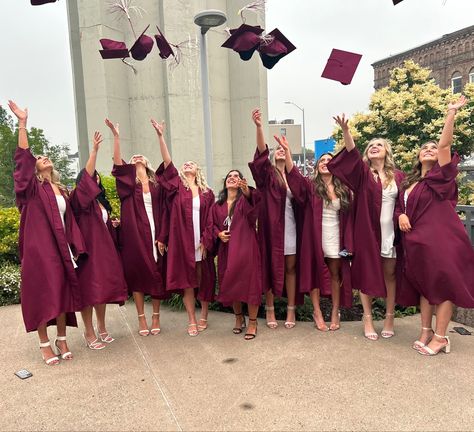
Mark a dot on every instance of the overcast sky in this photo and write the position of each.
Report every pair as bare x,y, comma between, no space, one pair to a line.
36,65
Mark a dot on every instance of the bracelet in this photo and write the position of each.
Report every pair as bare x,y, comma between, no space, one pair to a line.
451,109
22,127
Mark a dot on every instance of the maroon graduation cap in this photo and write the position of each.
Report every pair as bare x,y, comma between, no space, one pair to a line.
341,66
244,40
163,45
395,2
142,46
41,2
278,47
113,49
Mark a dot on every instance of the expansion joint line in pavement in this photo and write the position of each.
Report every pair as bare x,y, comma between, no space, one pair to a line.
150,370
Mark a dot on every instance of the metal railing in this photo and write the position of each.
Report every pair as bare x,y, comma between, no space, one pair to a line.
467,217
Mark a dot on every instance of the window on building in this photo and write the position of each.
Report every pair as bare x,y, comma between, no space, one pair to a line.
471,76
283,131
456,82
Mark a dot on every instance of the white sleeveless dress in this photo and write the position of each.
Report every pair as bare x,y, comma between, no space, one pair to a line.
62,211
389,196
151,221
331,246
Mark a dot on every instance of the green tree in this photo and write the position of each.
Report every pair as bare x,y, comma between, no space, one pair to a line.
38,144
409,112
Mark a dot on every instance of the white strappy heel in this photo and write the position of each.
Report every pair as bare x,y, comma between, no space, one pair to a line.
143,332
373,336
156,330
427,351
387,334
53,361
65,356
418,344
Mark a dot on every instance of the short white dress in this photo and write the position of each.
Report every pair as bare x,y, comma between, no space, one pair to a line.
197,228
151,221
389,196
290,225
62,211
331,246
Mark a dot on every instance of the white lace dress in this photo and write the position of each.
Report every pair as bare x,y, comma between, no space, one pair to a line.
331,247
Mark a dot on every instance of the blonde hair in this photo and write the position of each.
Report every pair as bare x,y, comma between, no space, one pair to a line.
200,179
150,172
55,179
278,173
389,164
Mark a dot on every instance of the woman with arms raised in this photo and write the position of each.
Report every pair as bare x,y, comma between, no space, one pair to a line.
101,276
189,267
438,259
326,230
142,215
276,226
375,182
232,229
50,243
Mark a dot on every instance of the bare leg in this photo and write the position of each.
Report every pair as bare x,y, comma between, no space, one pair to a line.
62,344
317,314
89,333
252,327
202,325
100,315
390,284
444,312
139,299
426,323
239,318
189,301
47,352
334,266
369,330
290,284
155,319
270,310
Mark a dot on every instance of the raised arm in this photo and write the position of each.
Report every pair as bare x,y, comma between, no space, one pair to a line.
22,116
288,159
160,128
446,140
90,165
344,124
115,131
257,119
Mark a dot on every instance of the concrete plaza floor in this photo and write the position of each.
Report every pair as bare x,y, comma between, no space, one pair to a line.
299,379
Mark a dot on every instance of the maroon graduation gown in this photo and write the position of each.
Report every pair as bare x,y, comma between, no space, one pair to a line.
271,222
49,285
367,270
438,258
238,260
101,276
313,270
142,272
181,261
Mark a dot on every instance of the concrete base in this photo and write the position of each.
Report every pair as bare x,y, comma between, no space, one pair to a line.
464,316
299,379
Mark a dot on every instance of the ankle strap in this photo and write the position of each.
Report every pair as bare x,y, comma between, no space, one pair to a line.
154,313
442,337
269,308
389,314
44,344
238,314
426,328
290,307
139,316
250,319
61,338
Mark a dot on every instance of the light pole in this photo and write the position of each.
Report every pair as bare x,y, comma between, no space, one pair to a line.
304,136
207,19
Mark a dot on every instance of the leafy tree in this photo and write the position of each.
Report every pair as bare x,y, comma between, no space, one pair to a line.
409,112
38,144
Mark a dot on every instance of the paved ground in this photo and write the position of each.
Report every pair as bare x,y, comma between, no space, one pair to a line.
297,379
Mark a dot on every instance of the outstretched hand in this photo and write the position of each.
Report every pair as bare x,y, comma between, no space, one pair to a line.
20,114
159,127
457,104
257,117
114,128
342,122
283,142
244,187
97,141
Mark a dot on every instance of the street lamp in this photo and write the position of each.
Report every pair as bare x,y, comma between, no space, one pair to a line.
207,19
304,136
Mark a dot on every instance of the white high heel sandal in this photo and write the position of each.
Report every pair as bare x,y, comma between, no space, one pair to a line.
65,356
53,361
373,336
156,330
427,351
143,332
94,345
418,344
387,334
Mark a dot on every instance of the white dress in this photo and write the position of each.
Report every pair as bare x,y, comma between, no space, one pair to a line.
290,225
62,211
151,221
105,215
197,228
389,196
331,247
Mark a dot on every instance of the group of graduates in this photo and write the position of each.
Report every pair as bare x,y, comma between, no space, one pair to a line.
356,223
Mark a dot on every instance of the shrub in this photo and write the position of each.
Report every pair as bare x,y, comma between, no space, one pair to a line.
111,191
9,284
9,224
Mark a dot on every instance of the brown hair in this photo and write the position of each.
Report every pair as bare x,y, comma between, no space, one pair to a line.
414,175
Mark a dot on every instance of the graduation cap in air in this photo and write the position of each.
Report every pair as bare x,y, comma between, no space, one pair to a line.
163,45
113,49
244,40
41,2
142,46
395,2
274,48
341,66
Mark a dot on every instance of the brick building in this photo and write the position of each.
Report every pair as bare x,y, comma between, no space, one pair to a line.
451,58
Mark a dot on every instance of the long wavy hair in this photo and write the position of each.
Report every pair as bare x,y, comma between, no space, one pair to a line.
414,175
223,194
341,191
278,173
150,172
55,179
200,179
389,164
